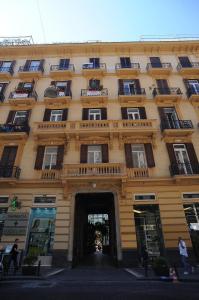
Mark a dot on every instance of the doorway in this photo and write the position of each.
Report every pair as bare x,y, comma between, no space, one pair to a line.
94,242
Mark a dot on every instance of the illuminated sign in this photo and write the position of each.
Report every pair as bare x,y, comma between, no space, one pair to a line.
16,41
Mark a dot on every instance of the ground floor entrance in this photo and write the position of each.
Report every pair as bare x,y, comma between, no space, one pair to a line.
94,230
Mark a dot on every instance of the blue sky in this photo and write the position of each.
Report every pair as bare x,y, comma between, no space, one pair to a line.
105,20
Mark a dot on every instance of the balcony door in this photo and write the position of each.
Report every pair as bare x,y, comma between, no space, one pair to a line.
8,160
138,156
194,86
34,65
171,117
125,62
155,62
163,86
182,159
94,154
185,62
129,87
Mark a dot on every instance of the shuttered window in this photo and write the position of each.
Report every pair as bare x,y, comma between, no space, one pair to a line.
139,155
94,154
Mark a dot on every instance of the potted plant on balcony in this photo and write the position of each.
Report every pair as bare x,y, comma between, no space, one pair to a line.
160,267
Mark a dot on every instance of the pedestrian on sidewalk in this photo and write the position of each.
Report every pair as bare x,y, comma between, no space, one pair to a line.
183,255
145,261
13,256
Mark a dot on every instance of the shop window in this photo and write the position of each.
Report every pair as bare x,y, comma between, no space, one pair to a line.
145,197
44,199
4,199
41,231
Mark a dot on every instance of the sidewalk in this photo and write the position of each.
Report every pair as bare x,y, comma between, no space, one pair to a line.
139,274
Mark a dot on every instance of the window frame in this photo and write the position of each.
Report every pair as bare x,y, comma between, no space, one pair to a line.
96,112
95,154
138,156
56,115
51,165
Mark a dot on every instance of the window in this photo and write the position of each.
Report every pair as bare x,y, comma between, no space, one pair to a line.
194,86
4,199
182,159
129,87
133,113
138,155
94,154
190,195
5,67
125,62
144,197
20,117
94,114
34,65
50,158
44,199
61,86
56,115
171,117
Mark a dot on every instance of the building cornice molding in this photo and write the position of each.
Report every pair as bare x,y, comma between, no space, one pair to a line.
100,48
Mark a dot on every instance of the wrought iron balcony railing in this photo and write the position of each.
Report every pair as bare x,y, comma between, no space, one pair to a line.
93,92
31,69
132,92
128,66
176,124
91,66
166,91
70,67
183,169
194,65
162,65
7,171
9,128
7,70
21,94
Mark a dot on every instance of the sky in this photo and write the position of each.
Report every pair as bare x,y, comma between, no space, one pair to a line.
52,21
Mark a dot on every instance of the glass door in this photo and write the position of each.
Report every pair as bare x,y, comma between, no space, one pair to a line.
171,117
194,86
182,159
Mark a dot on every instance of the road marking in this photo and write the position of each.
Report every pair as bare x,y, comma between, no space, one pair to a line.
136,274
54,273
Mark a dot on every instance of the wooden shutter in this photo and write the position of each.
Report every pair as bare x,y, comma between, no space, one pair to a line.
161,113
28,112
27,65
85,113
185,62
12,66
192,157
64,63
41,65
103,113
68,88
128,155
155,62
60,157
121,86
1,63
171,153
163,86
149,155
83,154
64,114
105,153
3,85
124,113
39,157
9,155
142,112
11,116
137,86
47,114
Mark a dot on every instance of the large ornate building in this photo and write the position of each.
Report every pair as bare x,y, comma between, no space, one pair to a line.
99,148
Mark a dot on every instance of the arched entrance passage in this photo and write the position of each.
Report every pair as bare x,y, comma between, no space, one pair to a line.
94,240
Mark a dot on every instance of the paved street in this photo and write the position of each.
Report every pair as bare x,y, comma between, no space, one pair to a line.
96,284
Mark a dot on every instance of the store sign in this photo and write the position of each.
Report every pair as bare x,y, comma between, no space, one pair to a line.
15,223
16,41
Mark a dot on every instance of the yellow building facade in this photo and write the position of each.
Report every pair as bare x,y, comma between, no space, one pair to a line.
99,148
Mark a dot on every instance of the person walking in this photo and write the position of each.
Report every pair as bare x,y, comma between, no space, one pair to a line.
183,254
13,256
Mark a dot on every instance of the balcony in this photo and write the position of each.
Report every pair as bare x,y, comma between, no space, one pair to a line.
193,69
57,72
93,70
6,72
13,131
93,171
134,173
193,95
105,128
50,175
177,127
183,169
132,69
164,69
57,97
30,72
12,172
89,96
167,95
22,97
130,97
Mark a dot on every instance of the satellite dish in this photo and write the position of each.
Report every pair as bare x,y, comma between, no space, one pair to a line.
51,92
